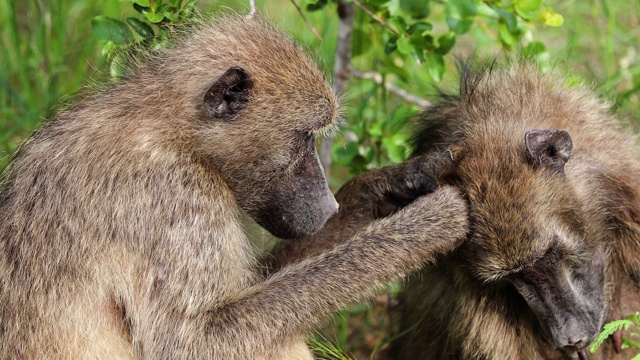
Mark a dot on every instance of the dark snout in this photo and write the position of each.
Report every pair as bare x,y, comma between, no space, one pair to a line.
300,203
567,299
574,334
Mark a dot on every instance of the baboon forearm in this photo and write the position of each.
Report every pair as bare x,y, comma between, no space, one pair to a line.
320,285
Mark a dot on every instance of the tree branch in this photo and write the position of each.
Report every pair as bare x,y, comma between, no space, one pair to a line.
252,12
401,93
375,17
341,73
313,30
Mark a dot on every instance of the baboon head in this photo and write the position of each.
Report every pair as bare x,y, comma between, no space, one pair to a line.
528,229
256,122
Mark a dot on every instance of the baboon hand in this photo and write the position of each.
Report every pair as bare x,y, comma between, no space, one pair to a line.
384,191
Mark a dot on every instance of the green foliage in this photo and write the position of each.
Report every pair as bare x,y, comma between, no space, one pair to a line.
632,321
119,38
409,42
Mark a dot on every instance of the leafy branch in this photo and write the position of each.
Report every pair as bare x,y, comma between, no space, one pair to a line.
160,19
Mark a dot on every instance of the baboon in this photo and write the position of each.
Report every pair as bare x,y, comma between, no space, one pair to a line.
120,232
553,250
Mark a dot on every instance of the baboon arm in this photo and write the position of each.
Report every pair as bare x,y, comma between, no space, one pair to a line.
300,294
362,200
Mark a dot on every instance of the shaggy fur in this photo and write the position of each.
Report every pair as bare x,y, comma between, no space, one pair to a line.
120,232
524,216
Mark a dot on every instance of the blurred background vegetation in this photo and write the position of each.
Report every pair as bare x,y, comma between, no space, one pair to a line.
402,52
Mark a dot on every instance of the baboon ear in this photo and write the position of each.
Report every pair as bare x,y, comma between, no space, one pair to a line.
229,94
550,148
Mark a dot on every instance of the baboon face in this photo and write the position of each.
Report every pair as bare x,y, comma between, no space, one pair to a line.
528,230
261,126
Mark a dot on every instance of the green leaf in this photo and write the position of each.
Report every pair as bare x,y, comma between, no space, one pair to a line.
144,3
141,9
154,17
417,9
392,45
446,43
435,66
188,9
527,6
155,4
534,49
375,130
460,26
141,27
506,37
317,5
419,28
168,11
109,29
425,42
460,14
551,18
405,46
398,22
509,18
392,6
607,331
462,8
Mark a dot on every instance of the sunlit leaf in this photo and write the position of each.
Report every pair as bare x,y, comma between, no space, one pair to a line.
393,6
404,45
435,66
154,17
527,6
419,28
551,18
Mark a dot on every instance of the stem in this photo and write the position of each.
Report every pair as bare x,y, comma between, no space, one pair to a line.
341,73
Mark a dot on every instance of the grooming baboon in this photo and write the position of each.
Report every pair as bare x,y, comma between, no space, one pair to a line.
119,219
553,252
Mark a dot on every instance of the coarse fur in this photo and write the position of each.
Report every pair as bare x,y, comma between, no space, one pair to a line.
120,231
553,184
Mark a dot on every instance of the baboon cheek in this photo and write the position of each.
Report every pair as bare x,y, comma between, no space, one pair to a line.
299,204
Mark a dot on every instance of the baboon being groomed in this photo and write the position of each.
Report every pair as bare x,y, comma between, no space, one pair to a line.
120,232
553,184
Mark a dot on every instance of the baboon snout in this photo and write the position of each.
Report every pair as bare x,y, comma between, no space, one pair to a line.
574,335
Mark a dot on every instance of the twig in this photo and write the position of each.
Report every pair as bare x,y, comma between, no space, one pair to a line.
485,28
375,17
341,74
252,12
306,20
401,93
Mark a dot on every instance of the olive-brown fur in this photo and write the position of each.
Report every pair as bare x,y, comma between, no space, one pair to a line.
120,231
522,210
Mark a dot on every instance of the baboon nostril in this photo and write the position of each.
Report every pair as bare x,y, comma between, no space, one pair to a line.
576,342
